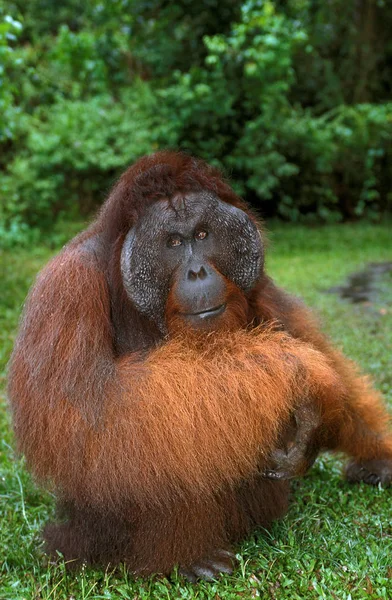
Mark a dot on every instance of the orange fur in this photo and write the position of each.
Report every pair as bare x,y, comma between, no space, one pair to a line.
355,422
155,447
194,415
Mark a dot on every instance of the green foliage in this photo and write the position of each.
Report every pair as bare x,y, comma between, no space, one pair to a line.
348,56
167,36
73,150
239,109
9,30
45,17
291,98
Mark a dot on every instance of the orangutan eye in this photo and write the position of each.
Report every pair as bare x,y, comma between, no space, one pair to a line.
174,242
201,235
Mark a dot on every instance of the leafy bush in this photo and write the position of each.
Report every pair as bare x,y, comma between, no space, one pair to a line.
290,98
238,109
9,30
73,152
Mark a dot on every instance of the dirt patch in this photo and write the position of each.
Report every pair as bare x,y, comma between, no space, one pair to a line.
364,286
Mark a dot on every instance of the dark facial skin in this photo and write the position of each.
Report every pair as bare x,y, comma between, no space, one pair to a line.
192,245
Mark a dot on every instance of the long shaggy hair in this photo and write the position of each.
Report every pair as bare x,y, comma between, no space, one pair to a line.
156,447
191,418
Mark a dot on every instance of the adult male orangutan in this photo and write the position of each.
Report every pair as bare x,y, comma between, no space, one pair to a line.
166,389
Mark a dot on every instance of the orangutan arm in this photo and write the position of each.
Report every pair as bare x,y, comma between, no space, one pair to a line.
355,422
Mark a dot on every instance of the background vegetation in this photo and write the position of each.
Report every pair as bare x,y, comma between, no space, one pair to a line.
292,98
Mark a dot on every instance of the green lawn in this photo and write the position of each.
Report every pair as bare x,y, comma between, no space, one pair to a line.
335,542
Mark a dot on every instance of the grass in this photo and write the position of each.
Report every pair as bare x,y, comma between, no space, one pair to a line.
335,542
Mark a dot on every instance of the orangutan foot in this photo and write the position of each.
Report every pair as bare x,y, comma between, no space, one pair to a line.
220,561
373,472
